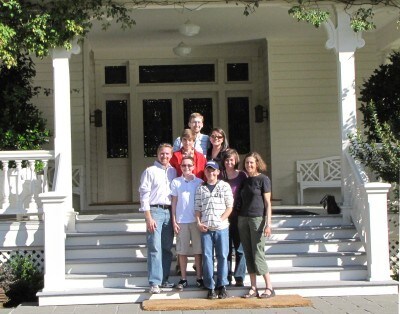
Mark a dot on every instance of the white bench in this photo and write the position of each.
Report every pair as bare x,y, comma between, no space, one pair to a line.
317,173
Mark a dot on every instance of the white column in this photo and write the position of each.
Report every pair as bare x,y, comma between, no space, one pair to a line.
345,41
62,127
54,241
377,233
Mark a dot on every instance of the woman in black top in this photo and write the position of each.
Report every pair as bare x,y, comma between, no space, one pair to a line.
254,222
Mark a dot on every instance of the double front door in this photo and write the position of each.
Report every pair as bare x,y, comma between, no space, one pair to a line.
133,128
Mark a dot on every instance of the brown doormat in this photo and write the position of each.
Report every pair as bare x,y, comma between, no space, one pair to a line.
229,303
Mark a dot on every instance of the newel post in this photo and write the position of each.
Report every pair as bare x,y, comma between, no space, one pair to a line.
377,234
54,240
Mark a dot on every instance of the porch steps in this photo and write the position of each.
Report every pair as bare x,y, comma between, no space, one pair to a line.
310,255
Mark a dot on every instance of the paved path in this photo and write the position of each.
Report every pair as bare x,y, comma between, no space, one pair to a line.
379,304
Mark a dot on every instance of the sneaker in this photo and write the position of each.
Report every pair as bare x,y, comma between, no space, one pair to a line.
200,283
182,284
154,289
222,294
211,294
167,284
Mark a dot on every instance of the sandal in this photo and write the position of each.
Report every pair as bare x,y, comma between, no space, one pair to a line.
253,293
265,295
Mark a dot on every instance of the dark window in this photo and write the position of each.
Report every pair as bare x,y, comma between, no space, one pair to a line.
239,126
202,106
115,74
176,73
237,72
157,124
117,128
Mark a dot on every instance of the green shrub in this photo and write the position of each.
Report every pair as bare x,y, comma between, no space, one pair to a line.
20,280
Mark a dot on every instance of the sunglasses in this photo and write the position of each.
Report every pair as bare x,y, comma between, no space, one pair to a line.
217,137
186,166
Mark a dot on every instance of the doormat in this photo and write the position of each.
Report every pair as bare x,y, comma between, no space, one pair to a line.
279,301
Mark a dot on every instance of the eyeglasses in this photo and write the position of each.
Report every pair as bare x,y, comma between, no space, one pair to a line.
217,137
186,166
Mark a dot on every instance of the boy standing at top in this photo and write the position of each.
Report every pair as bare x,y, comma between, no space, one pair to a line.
213,205
201,140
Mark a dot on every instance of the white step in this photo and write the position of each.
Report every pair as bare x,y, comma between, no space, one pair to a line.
105,295
109,237
318,232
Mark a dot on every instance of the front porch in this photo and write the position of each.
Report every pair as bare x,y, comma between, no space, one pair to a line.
103,255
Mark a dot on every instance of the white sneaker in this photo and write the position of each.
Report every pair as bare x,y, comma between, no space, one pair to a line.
154,289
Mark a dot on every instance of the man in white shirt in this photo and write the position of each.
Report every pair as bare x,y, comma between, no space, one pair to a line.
155,202
201,142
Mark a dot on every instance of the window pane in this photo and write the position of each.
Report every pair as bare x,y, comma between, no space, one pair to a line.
157,124
115,74
202,106
117,128
237,72
176,73
239,126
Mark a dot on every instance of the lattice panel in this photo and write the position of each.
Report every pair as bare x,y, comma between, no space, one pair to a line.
394,254
37,256
331,170
309,172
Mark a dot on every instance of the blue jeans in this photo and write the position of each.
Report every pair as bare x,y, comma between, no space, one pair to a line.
159,245
239,273
219,241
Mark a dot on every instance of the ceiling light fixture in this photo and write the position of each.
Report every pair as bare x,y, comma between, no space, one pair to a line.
182,49
189,29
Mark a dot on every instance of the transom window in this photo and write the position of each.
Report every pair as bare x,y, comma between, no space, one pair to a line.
237,72
180,73
115,74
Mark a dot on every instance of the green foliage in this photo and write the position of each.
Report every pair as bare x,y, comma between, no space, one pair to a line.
383,88
38,26
22,126
20,280
361,20
310,15
378,147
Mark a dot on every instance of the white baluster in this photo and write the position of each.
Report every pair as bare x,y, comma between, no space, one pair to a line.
32,207
18,186
6,187
45,183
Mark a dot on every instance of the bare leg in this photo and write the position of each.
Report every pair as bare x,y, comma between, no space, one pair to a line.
199,268
183,264
268,284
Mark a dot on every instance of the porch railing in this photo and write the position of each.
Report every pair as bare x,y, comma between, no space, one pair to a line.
367,204
21,184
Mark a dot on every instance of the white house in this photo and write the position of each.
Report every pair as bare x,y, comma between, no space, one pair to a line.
119,93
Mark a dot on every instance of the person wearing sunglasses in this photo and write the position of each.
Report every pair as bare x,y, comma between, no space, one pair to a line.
219,144
188,237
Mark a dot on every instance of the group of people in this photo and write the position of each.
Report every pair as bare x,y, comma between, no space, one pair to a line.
195,190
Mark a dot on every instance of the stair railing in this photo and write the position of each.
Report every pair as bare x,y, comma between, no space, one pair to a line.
367,202
21,184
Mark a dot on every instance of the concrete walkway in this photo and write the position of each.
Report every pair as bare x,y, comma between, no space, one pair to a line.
379,304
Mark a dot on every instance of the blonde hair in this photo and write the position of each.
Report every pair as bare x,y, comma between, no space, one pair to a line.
196,115
163,145
261,165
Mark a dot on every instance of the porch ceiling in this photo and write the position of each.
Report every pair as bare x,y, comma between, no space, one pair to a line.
222,24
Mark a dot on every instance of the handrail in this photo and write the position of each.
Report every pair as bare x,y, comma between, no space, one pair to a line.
27,155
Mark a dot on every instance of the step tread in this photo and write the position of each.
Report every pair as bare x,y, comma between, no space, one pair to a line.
277,286
291,241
